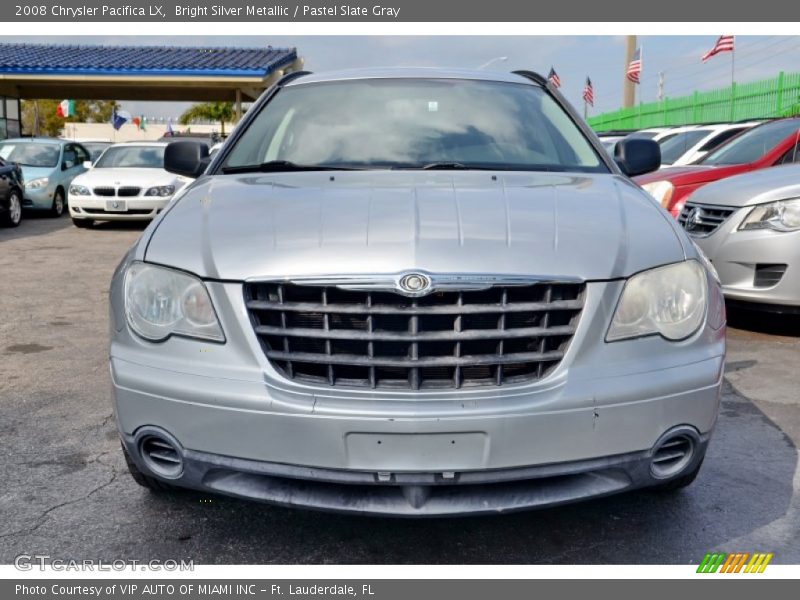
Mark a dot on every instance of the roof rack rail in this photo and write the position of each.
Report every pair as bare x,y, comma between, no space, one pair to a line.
291,77
532,75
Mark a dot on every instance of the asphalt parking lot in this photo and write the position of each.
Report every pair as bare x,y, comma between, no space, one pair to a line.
65,490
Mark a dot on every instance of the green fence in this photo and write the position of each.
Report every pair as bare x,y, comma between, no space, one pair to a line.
775,97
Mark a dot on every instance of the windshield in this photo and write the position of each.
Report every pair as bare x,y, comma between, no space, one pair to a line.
95,148
752,144
676,146
647,135
141,157
30,154
413,123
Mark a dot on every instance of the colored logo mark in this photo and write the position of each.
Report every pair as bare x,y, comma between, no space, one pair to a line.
737,562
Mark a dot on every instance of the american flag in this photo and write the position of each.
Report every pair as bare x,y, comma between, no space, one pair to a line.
554,78
588,92
724,44
635,67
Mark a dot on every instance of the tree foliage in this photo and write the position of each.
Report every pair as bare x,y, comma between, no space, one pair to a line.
86,111
223,112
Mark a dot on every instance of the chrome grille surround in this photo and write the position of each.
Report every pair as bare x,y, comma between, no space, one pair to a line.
701,220
368,333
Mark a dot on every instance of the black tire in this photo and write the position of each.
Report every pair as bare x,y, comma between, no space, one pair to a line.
151,483
13,216
83,223
673,485
59,206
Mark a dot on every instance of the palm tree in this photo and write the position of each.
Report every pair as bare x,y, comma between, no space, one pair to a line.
209,111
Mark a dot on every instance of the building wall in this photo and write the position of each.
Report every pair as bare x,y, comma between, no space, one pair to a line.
9,117
130,133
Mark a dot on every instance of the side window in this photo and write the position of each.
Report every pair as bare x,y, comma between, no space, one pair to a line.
70,157
719,139
81,154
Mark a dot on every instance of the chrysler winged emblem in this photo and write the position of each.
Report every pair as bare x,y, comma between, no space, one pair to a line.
414,284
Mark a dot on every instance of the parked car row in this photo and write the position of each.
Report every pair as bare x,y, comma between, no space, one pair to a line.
739,210
93,181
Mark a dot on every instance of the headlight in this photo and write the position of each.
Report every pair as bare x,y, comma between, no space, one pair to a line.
670,301
160,302
161,190
78,190
35,184
661,191
783,215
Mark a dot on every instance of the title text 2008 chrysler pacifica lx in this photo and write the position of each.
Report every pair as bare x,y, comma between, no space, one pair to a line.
415,292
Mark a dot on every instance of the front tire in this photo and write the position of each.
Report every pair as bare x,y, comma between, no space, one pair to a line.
13,216
151,483
59,204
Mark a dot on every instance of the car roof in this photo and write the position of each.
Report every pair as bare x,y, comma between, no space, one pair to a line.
410,73
140,143
38,140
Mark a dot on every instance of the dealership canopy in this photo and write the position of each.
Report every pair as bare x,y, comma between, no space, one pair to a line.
141,72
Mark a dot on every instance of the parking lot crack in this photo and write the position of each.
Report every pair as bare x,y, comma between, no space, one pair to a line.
45,515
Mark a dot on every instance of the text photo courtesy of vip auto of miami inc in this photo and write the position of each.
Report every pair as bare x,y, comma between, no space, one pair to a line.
392,300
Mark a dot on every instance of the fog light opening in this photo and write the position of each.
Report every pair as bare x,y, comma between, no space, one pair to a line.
672,455
161,456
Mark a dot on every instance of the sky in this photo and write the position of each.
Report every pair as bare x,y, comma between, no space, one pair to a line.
573,57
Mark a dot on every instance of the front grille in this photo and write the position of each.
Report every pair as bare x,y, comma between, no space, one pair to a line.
702,219
767,275
452,339
127,191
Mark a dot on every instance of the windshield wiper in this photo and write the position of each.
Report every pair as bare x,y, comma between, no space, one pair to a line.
276,166
444,166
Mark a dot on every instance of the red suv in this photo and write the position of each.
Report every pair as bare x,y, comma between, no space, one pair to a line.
767,145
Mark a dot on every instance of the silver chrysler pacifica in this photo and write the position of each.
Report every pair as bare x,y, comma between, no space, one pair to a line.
415,292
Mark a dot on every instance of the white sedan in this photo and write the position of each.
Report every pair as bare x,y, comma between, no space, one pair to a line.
128,182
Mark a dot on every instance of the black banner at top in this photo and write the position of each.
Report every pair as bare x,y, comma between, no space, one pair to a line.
394,11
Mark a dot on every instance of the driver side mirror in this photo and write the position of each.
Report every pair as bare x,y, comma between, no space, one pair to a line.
87,164
187,158
637,156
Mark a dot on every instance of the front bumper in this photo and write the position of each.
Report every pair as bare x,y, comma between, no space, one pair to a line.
419,494
136,208
588,429
39,198
737,255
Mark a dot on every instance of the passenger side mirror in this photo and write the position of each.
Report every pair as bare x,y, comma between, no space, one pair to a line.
87,164
636,156
187,158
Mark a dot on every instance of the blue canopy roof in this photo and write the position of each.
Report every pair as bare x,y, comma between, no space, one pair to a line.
49,59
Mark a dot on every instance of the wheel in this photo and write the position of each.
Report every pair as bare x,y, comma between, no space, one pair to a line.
151,483
673,485
83,223
13,216
59,204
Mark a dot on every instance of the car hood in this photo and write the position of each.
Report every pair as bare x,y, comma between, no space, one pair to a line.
764,185
31,173
355,223
132,177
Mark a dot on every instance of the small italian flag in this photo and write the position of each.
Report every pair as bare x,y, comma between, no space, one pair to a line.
66,108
